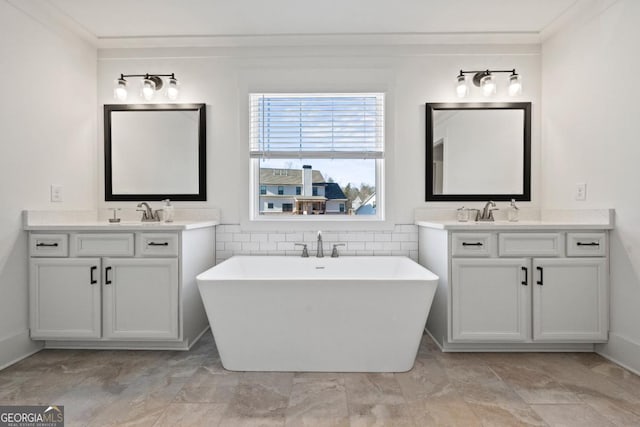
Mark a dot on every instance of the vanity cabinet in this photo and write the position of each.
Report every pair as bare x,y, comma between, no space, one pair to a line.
140,299
570,299
119,290
489,303
502,290
65,298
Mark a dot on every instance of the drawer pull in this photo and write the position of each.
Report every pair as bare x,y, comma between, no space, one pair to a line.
539,282
588,244
472,244
49,245
91,271
106,276
158,244
526,276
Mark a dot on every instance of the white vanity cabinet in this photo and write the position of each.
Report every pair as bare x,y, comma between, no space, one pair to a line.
517,290
570,299
133,289
488,301
140,299
65,298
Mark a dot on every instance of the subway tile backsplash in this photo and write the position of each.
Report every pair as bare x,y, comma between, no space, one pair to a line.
232,240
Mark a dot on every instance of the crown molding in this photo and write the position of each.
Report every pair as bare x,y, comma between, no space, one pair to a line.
293,40
578,13
55,19
45,13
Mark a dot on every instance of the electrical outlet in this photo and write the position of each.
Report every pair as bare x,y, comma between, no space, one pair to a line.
56,193
581,191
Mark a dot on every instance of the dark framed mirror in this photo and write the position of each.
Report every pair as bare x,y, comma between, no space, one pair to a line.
155,152
478,151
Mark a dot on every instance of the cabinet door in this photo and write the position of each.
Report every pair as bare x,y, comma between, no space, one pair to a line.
491,300
64,298
570,299
140,298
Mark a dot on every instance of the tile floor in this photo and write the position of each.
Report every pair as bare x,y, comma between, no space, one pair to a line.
155,388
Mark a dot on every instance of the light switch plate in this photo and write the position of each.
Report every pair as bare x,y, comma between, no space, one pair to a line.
581,191
56,193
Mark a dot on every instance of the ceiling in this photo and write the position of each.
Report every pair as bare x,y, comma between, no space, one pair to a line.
108,21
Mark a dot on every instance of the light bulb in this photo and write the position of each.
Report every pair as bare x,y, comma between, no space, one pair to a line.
172,89
462,89
515,84
148,89
120,89
488,85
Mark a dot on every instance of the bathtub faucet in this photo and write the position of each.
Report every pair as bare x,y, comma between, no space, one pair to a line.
319,252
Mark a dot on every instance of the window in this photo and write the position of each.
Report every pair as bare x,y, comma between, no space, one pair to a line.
301,142
269,205
263,189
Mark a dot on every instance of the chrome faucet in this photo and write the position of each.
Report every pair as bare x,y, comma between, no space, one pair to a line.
486,214
305,252
319,251
334,252
148,214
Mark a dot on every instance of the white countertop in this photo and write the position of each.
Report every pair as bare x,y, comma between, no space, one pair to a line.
593,219
97,221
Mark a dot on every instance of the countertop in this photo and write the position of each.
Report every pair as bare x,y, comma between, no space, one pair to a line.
592,219
97,221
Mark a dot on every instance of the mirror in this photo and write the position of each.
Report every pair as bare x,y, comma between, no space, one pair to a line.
478,151
155,152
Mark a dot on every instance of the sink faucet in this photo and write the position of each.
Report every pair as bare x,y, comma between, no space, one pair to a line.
148,214
305,252
486,214
319,251
334,252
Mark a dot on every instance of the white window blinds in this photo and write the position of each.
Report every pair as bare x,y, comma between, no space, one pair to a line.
312,125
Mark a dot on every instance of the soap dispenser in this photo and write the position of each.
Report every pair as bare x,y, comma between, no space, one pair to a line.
167,211
513,212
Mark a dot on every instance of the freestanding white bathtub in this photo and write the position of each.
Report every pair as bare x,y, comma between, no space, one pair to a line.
348,314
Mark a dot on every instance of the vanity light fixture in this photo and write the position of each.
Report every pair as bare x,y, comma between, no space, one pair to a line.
151,83
485,80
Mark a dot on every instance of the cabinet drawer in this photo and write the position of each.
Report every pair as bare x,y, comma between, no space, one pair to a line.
586,244
48,245
530,244
471,244
157,244
103,244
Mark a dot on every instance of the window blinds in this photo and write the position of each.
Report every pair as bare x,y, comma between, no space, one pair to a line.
317,125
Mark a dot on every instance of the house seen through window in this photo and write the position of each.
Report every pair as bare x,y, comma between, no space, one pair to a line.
317,154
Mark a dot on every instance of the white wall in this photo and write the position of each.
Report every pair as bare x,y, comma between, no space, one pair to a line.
48,125
590,134
410,75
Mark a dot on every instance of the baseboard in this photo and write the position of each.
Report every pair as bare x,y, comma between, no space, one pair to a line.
17,347
621,350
